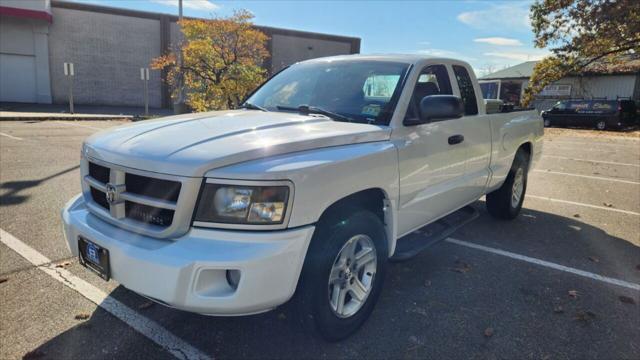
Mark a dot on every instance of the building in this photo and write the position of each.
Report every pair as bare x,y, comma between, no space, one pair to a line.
598,82
108,46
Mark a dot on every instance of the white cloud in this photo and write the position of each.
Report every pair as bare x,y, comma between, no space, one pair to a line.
189,4
446,54
501,41
518,55
513,16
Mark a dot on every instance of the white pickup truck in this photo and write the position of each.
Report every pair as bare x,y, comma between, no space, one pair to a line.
309,189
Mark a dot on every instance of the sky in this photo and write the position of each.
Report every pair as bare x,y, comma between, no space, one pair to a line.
490,35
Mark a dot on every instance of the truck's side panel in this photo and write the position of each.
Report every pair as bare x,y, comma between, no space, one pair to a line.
509,132
324,176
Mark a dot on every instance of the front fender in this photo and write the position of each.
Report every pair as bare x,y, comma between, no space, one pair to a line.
323,176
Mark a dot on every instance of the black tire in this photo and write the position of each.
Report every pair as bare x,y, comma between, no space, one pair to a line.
547,123
327,242
601,125
499,202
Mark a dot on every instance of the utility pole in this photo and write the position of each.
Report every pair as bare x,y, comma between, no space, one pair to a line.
178,106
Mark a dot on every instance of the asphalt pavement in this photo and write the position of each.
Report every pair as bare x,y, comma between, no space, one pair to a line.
562,281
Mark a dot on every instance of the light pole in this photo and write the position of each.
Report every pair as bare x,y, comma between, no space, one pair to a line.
178,106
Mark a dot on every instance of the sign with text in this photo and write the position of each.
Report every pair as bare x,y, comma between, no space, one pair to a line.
556,90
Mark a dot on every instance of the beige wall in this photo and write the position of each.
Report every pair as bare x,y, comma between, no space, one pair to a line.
290,49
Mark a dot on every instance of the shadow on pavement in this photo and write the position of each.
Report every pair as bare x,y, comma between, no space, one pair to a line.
11,196
433,307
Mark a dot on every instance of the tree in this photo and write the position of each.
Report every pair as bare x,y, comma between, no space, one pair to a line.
222,61
583,35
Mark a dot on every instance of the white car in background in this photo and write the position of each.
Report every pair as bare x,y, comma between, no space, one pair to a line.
309,189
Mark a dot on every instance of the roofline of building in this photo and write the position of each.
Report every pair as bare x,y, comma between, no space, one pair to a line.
568,76
355,41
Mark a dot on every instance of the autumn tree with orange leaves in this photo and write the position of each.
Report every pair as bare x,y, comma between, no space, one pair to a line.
222,61
583,36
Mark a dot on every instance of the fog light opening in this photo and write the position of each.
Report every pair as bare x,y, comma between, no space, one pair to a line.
233,278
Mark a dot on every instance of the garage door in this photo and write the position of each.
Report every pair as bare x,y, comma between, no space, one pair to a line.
17,78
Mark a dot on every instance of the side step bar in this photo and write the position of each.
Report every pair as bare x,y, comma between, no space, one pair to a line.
412,244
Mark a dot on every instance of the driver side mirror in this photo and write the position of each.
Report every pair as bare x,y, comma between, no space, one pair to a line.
438,107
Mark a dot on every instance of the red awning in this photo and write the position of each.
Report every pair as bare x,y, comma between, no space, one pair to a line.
26,13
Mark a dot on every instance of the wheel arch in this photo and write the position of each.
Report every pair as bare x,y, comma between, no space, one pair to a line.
376,200
527,148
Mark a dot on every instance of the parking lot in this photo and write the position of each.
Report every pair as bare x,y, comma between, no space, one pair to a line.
560,281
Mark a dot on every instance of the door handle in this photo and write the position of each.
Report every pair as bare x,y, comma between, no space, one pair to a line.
456,139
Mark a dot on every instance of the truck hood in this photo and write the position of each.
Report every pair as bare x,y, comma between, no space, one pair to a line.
192,144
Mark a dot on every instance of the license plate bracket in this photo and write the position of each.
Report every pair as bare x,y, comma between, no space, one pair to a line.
94,257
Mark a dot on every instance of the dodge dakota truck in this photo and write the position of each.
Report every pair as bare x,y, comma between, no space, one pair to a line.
305,192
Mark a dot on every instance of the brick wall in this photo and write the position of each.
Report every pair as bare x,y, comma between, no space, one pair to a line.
107,51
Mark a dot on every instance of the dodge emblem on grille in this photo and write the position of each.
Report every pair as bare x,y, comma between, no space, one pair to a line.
111,193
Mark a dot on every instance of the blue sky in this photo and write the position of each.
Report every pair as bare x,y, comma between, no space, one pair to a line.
488,34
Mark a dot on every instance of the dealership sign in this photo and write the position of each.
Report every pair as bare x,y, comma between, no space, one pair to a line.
556,90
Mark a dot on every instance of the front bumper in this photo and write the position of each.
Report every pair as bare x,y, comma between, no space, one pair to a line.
189,272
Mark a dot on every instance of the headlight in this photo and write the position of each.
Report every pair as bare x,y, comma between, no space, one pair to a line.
233,205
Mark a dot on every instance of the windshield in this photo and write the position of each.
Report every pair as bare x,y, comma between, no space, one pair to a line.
364,91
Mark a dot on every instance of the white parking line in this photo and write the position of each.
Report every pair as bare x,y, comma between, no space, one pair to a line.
589,143
81,125
588,176
548,264
10,136
591,161
582,204
149,328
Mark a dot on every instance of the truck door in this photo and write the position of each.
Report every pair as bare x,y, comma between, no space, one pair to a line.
477,137
431,159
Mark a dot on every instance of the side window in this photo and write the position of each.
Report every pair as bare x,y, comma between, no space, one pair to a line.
433,80
466,90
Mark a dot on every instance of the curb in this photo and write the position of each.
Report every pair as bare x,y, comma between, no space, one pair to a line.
72,118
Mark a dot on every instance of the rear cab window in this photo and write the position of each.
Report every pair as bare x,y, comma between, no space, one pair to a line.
467,92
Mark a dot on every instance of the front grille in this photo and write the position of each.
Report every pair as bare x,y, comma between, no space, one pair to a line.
99,173
144,199
155,188
100,198
148,214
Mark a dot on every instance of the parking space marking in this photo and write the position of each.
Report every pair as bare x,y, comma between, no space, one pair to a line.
605,279
148,328
11,136
591,161
583,204
588,143
81,125
588,176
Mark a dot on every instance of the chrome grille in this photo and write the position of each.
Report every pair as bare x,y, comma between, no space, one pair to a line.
143,199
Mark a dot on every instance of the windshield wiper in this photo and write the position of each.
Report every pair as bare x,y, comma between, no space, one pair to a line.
248,105
306,110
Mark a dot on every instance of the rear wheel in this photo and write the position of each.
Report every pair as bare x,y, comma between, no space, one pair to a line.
343,273
601,125
506,202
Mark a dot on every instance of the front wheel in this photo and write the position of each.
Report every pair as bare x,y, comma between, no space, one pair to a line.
601,125
343,273
506,202
547,123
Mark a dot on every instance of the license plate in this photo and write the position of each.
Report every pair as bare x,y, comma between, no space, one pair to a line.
94,257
